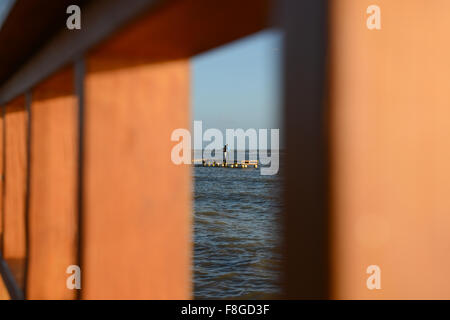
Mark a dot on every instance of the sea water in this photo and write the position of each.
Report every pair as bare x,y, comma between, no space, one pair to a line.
236,233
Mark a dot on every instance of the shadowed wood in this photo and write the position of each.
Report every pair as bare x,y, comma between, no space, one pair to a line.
14,236
53,208
183,28
305,274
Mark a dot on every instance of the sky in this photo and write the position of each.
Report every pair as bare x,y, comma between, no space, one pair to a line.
238,85
5,7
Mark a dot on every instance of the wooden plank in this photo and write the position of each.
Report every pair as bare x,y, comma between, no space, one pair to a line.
136,216
183,28
53,207
14,236
44,19
391,149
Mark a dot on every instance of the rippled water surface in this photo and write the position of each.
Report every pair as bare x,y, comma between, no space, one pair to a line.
236,233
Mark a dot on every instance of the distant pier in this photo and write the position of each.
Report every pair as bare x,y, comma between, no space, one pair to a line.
235,164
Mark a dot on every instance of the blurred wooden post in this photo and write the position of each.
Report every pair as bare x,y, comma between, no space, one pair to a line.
391,149
53,213
305,272
14,235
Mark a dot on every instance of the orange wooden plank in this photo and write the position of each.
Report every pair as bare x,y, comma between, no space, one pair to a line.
136,218
14,236
391,149
53,208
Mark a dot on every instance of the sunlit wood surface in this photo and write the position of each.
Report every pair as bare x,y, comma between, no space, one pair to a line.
390,130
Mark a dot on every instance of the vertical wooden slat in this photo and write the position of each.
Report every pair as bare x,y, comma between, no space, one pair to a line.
390,131
136,215
14,237
53,213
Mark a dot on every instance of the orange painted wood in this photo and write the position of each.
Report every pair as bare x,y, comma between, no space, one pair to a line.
137,204
391,149
14,236
53,207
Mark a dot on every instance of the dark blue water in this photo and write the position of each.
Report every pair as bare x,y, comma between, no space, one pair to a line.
236,234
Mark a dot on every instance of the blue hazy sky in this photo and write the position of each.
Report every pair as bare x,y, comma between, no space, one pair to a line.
238,85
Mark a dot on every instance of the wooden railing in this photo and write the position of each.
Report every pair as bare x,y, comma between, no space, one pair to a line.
81,121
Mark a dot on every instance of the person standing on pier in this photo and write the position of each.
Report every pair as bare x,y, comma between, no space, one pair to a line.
225,147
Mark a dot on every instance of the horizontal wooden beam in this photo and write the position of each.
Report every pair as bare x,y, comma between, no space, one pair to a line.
99,19
19,41
184,28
